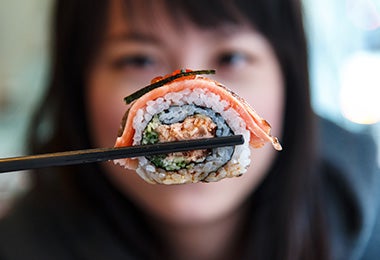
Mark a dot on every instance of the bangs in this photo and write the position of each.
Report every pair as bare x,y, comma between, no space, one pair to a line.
202,13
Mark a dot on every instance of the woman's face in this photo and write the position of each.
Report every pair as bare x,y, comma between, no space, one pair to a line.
132,54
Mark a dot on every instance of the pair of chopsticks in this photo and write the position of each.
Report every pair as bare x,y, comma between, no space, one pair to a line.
104,154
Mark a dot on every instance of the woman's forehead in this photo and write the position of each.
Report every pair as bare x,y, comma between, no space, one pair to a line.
150,16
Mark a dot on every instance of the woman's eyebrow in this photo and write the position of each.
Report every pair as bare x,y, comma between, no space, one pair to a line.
134,37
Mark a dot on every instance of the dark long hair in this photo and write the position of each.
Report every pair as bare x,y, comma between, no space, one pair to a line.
287,220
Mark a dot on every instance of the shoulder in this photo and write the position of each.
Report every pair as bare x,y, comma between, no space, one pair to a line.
51,228
354,152
27,232
352,188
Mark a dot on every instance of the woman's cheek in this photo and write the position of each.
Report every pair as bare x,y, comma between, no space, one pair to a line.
105,109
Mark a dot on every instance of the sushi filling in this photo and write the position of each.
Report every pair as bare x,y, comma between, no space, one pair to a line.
183,123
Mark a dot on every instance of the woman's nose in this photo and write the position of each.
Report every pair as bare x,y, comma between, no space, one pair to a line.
192,56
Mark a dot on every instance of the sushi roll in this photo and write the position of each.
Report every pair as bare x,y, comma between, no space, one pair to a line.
187,105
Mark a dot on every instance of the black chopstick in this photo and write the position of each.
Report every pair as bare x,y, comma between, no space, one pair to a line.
104,154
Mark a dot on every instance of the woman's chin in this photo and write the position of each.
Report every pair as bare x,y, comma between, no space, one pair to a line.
188,204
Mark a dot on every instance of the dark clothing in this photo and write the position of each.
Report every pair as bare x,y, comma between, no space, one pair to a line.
352,181
55,225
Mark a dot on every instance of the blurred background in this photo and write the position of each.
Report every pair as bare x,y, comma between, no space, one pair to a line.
344,43
24,27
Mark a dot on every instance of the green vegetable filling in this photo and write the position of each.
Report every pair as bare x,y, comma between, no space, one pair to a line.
169,163
150,136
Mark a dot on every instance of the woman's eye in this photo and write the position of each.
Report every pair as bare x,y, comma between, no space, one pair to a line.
134,61
136,69
234,59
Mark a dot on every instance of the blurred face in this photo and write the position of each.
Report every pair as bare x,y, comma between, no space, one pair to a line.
132,54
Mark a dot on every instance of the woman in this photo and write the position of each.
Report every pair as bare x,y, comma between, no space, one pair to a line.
284,207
